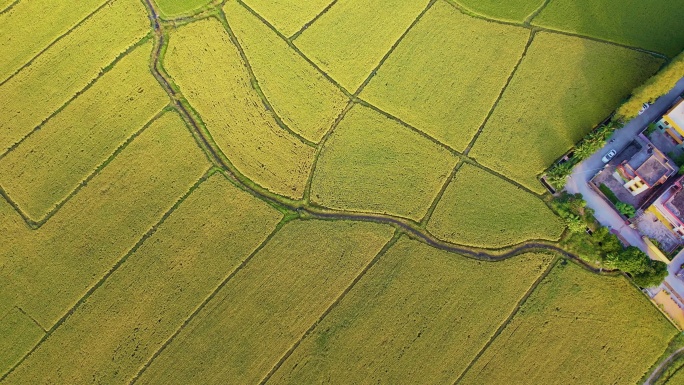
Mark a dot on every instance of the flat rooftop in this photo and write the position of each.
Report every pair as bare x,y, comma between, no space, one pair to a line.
676,114
652,170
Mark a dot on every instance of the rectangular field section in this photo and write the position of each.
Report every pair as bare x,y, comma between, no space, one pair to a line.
149,297
46,167
33,94
418,317
54,266
288,16
269,304
579,328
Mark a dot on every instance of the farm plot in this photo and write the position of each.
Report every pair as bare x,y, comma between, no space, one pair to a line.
373,164
580,328
269,304
305,100
350,39
49,164
652,25
148,298
171,8
33,25
67,67
288,16
510,10
234,114
47,270
418,316
18,334
444,77
562,89
480,209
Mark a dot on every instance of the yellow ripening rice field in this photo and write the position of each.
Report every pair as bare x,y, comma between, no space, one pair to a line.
18,334
419,316
269,305
120,326
46,167
480,209
444,77
171,8
304,99
350,39
579,328
562,89
47,270
373,164
209,71
509,10
32,25
288,16
62,71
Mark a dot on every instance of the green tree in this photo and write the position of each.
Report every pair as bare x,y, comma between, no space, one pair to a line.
558,175
653,277
644,271
625,209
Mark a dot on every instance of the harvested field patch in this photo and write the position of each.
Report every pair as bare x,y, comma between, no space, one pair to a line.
651,25
18,334
269,304
480,209
51,163
288,16
148,298
509,10
234,114
562,89
444,77
67,67
49,269
350,39
417,317
33,25
373,164
305,100
171,8
579,328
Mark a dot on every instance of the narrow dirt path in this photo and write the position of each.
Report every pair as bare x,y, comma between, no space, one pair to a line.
655,375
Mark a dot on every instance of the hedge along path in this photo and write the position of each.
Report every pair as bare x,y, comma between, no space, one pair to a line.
269,304
373,164
90,233
556,96
446,73
67,67
305,100
48,165
289,16
415,295
482,210
239,123
573,312
333,41
34,25
650,26
120,326
18,334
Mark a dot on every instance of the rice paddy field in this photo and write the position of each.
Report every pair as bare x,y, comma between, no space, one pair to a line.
304,192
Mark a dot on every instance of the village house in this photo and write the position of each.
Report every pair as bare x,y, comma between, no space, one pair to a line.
646,169
673,122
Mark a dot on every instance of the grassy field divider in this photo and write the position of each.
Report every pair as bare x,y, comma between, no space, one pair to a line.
102,279
393,47
213,294
78,93
255,82
503,90
310,22
501,176
9,6
288,353
31,318
57,39
296,49
509,318
424,221
29,222
536,12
